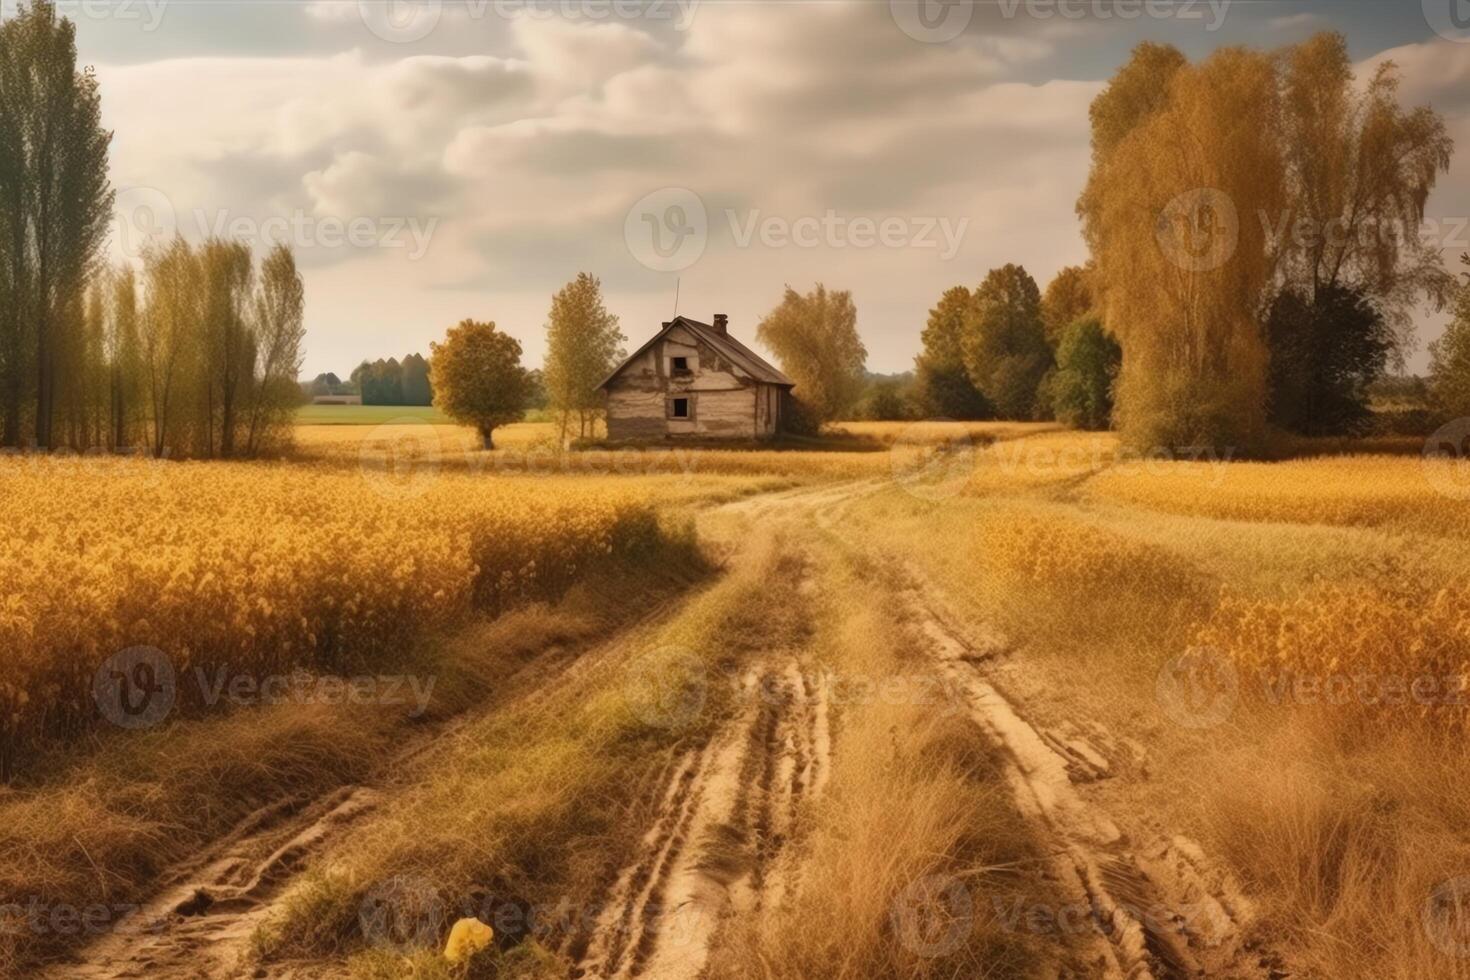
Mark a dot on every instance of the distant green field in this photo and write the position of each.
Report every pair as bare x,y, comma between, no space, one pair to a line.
365,414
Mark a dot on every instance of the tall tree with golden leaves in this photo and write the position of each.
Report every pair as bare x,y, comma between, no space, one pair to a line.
1169,212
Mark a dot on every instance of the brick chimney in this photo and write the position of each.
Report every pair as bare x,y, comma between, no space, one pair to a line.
722,323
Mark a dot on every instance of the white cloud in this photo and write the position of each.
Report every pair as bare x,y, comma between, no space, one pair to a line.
529,157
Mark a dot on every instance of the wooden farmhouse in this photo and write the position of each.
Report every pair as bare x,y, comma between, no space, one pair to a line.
693,380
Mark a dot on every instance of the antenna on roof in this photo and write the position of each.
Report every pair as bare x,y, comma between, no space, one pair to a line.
676,297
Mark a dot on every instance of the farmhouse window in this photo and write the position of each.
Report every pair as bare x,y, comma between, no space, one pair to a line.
680,365
678,408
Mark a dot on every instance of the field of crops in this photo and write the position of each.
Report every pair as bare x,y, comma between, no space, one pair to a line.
265,568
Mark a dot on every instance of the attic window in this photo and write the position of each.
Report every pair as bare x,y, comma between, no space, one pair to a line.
678,408
680,365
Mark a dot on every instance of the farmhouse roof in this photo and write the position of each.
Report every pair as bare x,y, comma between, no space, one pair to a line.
743,357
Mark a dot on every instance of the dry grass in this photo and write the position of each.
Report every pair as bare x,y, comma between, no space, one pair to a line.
1395,492
96,825
859,910
543,801
1340,816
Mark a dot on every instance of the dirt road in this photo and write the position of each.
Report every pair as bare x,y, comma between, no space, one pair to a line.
724,845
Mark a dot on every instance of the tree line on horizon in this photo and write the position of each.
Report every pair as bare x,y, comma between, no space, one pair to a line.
1176,344
197,357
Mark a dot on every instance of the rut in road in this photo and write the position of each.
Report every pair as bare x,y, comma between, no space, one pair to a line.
1155,908
200,922
718,844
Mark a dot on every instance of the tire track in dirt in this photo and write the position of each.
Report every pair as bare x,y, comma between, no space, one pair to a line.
1159,908
200,921
718,843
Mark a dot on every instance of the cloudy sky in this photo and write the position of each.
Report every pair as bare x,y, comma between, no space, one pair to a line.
439,160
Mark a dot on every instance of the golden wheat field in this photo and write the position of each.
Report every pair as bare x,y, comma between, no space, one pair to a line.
266,568
1249,657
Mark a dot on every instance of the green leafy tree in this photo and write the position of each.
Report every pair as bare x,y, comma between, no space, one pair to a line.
815,337
1449,369
55,202
889,398
280,309
478,378
583,345
1326,353
1081,389
1068,298
1004,342
1360,170
124,357
416,390
943,385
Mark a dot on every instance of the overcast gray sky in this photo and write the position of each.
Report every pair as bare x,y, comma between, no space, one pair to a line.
440,160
